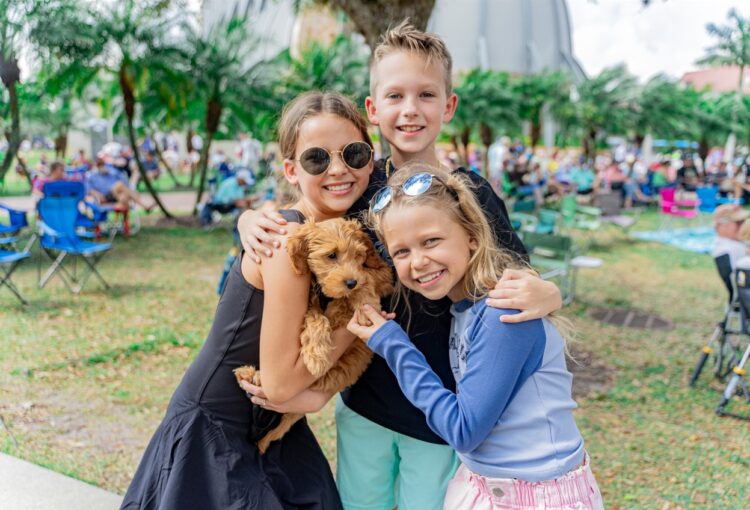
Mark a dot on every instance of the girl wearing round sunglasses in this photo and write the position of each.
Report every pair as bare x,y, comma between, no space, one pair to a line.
510,418
203,454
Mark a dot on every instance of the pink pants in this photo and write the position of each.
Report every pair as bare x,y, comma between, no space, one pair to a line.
576,490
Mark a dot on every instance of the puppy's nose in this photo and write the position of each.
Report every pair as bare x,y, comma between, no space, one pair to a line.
350,284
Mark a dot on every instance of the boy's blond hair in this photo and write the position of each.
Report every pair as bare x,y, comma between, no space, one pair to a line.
406,37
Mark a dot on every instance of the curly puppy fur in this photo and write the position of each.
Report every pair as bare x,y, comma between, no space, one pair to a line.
347,268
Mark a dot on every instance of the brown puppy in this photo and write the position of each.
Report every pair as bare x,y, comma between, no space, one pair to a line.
347,269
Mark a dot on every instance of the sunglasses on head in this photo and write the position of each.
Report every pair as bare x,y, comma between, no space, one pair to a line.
316,160
412,187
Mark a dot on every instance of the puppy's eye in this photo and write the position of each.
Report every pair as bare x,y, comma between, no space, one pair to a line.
332,255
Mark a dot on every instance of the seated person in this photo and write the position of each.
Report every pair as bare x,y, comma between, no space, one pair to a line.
56,173
151,166
106,185
229,196
727,221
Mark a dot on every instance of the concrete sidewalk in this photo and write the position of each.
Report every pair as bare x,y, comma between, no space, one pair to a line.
26,486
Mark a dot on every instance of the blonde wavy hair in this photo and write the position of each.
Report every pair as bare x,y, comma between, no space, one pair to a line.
453,193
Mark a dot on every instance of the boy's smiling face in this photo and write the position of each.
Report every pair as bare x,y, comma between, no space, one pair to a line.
410,103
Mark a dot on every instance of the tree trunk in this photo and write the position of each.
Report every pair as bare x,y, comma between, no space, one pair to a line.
703,149
374,18
126,87
487,135
189,145
160,157
639,137
465,140
213,117
535,133
11,75
61,143
589,145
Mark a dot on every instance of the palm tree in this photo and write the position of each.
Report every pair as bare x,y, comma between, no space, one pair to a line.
534,91
14,18
125,40
372,18
732,48
341,67
660,110
711,118
490,104
227,78
605,105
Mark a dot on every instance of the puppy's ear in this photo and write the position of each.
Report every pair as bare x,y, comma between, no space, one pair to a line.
373,260
298,248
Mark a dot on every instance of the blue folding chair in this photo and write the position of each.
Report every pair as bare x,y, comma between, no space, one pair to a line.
9,262
58,211
17,221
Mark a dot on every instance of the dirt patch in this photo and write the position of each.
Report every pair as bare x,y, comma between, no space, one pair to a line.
631,318
177,221
591,376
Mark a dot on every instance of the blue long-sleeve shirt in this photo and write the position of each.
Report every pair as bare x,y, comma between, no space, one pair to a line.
511,415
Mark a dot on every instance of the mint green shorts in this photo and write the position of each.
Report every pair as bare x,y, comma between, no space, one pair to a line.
378,468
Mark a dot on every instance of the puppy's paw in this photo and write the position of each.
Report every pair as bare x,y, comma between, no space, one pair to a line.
247,373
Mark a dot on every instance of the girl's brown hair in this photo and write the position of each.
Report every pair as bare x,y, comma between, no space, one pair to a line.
309,105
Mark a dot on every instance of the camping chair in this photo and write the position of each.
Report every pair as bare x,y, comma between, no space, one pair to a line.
9,262
610,205
579,217
16,221
709,198
91,217
737,382
58,211
722,347
673,208
554,256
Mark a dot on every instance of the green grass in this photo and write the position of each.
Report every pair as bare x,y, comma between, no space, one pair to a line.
84,380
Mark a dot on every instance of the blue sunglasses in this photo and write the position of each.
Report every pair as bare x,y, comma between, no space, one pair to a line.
413,186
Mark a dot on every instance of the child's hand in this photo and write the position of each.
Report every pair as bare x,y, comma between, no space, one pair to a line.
376,319
258,232
522,290
309,401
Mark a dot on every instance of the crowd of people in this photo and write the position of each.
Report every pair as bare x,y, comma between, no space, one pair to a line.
547,174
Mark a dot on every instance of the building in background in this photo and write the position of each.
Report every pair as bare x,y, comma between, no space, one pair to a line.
516,36
717,79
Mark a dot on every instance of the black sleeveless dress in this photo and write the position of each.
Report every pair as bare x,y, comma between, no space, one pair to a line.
202,455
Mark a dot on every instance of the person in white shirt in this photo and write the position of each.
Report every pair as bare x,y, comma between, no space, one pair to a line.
727,221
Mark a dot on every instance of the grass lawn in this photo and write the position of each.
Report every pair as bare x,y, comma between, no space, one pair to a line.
84,380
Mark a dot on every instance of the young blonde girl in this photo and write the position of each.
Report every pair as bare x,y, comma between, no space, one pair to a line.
510,419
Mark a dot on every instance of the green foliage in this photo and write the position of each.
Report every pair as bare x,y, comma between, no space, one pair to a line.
733,42
340,66
661,108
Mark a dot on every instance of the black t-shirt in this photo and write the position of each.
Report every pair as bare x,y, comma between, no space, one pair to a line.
377,395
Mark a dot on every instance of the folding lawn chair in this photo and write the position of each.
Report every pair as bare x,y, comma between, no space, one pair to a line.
58,211
554,256
737,383
723,347
17,222
9,262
